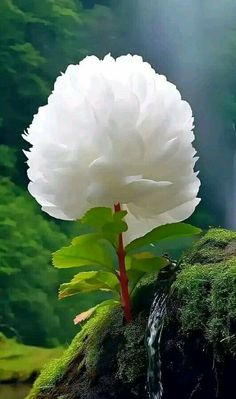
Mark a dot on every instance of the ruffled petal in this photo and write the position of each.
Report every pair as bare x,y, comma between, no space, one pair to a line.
114,130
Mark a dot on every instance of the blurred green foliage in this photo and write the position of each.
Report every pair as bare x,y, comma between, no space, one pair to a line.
38,39
19,362
28,283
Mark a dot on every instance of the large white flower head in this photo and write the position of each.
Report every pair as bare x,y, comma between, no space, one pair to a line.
114,131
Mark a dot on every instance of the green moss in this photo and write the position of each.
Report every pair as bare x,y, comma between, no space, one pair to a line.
219,236
211,247
132,358
205,289
105,347
86,345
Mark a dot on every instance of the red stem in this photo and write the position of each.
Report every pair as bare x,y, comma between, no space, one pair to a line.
124,282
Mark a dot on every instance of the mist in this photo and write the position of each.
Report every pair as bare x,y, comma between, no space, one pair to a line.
187,41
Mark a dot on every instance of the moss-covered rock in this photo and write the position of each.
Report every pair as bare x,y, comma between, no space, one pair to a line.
107,358
206,290
199,338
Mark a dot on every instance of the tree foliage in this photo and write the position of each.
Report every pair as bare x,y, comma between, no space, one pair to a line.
38,39
26,279
28,282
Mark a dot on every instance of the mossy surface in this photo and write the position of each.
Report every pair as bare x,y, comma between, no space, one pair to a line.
85,344
214,247
205,289
108,359
198,344
20,362
107,356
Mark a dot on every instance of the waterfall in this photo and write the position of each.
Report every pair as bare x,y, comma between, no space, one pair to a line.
155,326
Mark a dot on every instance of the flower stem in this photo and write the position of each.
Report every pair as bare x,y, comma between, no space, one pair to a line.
124,282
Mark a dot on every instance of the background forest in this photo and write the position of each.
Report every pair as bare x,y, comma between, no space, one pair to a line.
193,43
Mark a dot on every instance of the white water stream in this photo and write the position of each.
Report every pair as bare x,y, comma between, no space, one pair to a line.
155,326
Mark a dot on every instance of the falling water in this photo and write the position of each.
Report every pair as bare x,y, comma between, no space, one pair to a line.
155,326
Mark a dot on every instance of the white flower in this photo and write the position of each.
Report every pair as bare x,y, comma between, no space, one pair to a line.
114,131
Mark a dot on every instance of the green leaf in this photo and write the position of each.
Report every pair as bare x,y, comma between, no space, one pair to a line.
88,282
86,250
117,225
145,262
168,231
86,239
105,222
138,265
134,276
109,280
97,217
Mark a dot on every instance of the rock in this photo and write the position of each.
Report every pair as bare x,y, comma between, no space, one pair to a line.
199,338
106,360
